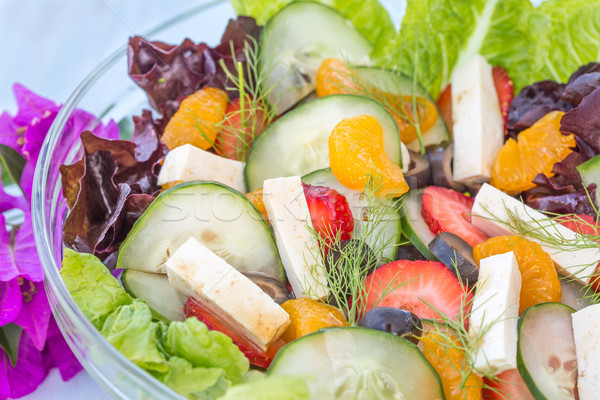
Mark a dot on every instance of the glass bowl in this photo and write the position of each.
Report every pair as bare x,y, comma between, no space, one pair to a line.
107,92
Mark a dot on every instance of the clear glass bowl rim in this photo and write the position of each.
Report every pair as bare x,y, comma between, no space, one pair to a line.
41,225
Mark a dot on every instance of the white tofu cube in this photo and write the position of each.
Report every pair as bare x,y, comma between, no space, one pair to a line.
188,163
289,215
478,126
492,212
495,314
586,331
198,272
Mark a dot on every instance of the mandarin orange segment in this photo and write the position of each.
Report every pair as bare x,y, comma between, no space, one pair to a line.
308,316
356,155
447,357
334,77
197,119
256,198
535,150
539,279
402,109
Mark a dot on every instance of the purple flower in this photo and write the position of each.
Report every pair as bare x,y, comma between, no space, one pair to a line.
23,301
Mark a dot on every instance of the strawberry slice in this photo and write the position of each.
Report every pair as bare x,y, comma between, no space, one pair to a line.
214,322
446,210
506,386
423,287
444,103
330,213
582,224
504,89
238,133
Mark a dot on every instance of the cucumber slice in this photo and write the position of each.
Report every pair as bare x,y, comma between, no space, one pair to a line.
359,363
221,218
164,300
294,43
546,351
396,83
298,142
590,173
390,233
414,226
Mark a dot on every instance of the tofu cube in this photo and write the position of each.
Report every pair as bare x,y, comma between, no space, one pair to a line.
586,332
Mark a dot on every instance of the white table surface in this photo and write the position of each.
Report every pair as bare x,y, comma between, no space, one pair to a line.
50,46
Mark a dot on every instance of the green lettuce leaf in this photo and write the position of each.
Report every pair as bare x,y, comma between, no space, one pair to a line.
191,340
94,289
368,16
130,329
194,382
270,388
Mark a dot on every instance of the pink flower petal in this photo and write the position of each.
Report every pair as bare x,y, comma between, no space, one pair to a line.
10,301
31,105
20,258
24,377
58,354
8,131
35,314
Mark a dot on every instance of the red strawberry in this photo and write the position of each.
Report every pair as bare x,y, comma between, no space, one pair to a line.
444,103
582,224
446,210
255,355
329,212
507,385
504,89
235,140
424,285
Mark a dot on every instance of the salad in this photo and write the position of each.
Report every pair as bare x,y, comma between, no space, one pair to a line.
321,207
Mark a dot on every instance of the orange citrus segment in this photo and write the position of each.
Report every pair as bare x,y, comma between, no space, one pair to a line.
256,198
536,150
308,316
335,77
356,154
447,357
539,279
169,185
196,121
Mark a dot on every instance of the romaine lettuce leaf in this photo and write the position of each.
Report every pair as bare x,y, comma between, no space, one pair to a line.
368,16
130,329
193,341
189,381
270,388
94,289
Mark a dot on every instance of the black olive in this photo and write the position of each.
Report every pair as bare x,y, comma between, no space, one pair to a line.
419,174
457,255
409,252
441,168
395,321
271,286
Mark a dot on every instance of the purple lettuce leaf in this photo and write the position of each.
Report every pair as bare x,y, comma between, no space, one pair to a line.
581,87
24,377
577,202
533,102
10,301
145,136
584,69
35,313
584,121
57,354
18,254
169,73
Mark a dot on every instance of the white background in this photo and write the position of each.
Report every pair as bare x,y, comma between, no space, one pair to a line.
50,46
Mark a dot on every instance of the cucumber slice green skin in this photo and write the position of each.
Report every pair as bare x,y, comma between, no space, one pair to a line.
164,300
392,230
546,330
396,83
294,43
298,142
413,225
218,216
590,172
352,359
